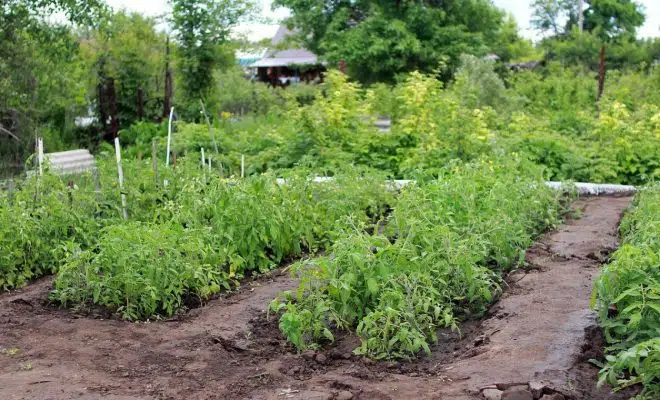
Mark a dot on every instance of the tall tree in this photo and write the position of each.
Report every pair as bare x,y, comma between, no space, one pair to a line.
40,78
201,28
608,19
380,39
127,48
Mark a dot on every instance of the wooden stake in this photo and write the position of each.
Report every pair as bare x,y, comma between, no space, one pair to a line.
120,172
70,185
169,138
208,123
209,164
203,158
10,189
601,74
174,159
154,161
242,166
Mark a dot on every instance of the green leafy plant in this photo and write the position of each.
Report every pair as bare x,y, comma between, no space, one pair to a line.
627,298
437,260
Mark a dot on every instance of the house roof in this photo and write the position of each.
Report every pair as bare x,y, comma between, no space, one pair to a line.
283,58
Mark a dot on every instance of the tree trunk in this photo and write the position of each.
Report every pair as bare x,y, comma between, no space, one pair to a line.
112,127
140,104
601,74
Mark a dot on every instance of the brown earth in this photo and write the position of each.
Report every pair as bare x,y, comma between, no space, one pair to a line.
540,331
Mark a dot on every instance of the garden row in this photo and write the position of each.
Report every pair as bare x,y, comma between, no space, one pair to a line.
627,297
438,260
193,237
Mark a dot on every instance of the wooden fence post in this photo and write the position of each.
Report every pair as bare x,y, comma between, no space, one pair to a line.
601,73
10,189
154,161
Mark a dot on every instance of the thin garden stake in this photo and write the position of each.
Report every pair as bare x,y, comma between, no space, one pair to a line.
40,155
209,164
204,164
601,73
10,189
154,161
208,122
169,138
120,171
242,166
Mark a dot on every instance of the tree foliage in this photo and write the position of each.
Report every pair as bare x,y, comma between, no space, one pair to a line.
379,40
202,29
609,19
40,79
128,48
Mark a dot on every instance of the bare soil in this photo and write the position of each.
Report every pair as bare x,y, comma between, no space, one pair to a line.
541,330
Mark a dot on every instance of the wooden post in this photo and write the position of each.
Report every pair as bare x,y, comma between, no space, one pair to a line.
70,185
174,159
342,66
204,165
208,123
209,164
111,97
97,184
10,189
139,156
601,74
242,166
167,100
169,138
154,161
120,172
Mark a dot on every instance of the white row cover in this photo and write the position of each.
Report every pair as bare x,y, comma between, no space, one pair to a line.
583,188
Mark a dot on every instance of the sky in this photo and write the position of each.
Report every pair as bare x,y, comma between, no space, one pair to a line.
519,8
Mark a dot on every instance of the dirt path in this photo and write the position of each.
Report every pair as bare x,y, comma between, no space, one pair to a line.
540,331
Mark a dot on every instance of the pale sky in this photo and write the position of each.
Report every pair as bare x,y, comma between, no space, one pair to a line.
519,8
